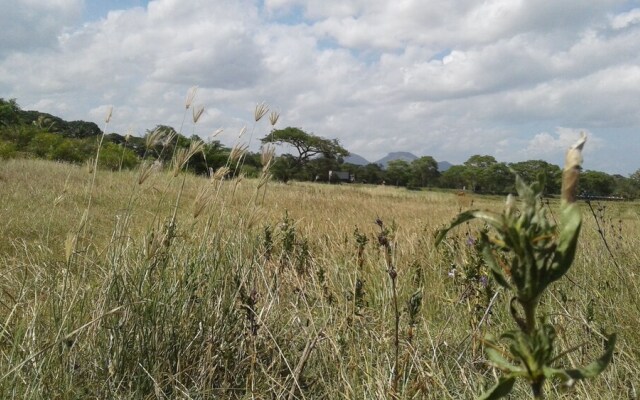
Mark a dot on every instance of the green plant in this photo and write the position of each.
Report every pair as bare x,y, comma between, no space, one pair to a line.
540,254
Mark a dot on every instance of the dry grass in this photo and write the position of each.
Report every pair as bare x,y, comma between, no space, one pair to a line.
256,299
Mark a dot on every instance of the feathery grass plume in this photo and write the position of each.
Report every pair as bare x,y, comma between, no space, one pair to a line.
109,114
217,132
220,174
237,152
201,201
154,138
147,168
197,113
69,246
571,171
267,156
191,95
260,111
242,132
273,117
167,138
183,155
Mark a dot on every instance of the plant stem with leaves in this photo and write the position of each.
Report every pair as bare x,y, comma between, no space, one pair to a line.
540,254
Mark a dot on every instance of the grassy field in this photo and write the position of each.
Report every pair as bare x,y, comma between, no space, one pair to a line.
186,287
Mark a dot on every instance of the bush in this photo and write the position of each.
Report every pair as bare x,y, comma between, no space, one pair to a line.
7,150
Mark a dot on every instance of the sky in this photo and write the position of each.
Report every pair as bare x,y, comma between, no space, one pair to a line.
515,79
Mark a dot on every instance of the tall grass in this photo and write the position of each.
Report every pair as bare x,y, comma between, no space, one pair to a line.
194,287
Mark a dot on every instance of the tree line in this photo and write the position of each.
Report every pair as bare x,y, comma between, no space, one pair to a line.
306,157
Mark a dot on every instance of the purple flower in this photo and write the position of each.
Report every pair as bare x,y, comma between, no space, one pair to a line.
470,241
484,281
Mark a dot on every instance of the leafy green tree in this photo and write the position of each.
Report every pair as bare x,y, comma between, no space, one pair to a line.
477,166
320,167
596,183
44,144
497,178
283,168
626,188
456,177
7,150
9,112
480,161
372,173
529,171
113,157
398,172
307,145
424,171
635,178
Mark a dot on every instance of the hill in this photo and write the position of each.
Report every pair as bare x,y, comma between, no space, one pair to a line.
356,159
398,155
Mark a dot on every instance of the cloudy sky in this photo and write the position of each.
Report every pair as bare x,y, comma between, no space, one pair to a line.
516,79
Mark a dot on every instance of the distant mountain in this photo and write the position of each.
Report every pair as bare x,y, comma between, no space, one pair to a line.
356,159
444,165
398,155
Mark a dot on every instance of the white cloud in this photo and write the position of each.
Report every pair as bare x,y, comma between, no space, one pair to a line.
626,19
29,25
438,77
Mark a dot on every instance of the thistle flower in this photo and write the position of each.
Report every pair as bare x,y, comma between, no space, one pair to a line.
260,111
191,95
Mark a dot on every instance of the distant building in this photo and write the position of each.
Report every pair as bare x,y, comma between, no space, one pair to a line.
341,176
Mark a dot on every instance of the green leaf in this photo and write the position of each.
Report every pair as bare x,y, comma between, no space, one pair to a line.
489,218
571,221
496,358
500,389
496,270
591,370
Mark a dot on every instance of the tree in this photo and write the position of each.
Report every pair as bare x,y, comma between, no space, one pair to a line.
398,172
456,177
371,173
529,171
424,170
478,161
9,110
476,171
635,178
497,178
306,144
596,183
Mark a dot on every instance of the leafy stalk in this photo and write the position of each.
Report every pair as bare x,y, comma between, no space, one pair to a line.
539,254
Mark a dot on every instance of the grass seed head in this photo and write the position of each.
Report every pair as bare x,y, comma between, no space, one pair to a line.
109,114
191,95
273,118
260,111
197,113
